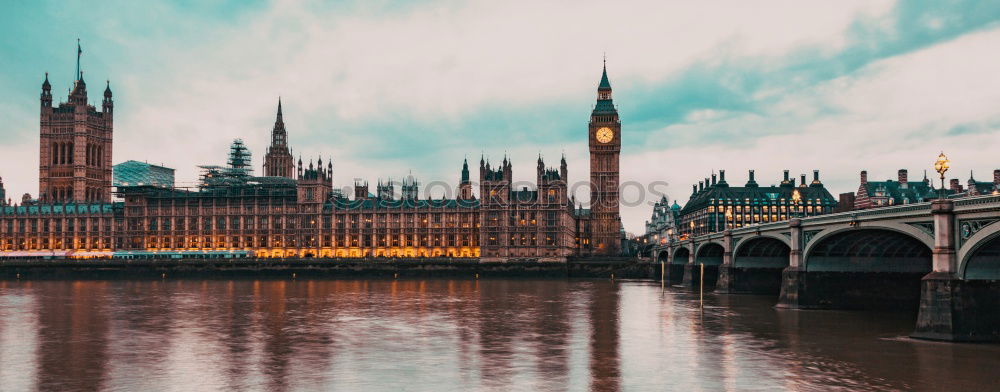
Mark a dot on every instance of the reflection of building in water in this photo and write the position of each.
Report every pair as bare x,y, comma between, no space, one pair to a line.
73,335
551,327
605,366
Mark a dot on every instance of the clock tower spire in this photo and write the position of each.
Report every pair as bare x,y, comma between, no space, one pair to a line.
604,135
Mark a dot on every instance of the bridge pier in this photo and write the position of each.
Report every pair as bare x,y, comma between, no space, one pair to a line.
792,289
726,282
951,308
958,310
691,275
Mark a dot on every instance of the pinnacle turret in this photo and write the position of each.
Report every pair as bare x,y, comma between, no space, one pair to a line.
605,83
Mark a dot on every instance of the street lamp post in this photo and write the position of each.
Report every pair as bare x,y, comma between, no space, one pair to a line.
941,165
796,200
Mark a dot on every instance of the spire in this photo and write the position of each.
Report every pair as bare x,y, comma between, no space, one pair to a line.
107,90
79,51
46,96
465,171
279,119
604,104
605,84
279,137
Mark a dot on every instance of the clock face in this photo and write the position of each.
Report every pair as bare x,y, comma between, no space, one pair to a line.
605,134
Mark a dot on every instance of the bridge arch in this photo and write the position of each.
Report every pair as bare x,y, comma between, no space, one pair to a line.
868,250
866,268
758,263
762,252
709,253
884,231
980,258
681,255
675,265
662,256
709,256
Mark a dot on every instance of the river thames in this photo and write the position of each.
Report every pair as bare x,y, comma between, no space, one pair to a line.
455,335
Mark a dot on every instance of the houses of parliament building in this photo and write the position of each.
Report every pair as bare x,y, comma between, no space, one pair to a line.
293,210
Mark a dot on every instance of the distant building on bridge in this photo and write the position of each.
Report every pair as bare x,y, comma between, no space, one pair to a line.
716,206
661,224
887,193
872,194
976,188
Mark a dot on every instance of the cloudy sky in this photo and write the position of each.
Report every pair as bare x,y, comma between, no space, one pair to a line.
389,87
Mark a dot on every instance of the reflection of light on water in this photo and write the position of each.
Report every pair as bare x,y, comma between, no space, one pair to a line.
18,337
462,334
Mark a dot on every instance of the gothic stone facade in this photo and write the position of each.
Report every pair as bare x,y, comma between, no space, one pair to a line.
296,213
75,148
526,224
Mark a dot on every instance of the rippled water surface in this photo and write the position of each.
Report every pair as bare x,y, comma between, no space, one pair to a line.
455,335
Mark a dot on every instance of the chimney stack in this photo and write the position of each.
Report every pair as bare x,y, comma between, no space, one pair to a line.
751,183
996,177
955,185
713,179
902,178
786,176
701,185
864,177
722,175
803,183
816,178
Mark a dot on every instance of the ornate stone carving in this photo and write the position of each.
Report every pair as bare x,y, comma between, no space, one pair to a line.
926,227
968,228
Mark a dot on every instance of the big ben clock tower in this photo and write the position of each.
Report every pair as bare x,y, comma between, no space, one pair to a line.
605,146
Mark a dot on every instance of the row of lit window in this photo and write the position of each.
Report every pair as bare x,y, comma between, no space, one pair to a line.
46,243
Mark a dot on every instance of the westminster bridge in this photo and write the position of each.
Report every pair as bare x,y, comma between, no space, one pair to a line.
941,257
